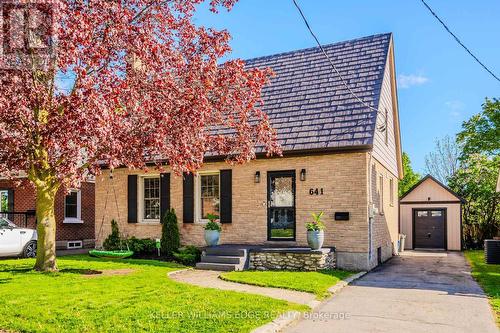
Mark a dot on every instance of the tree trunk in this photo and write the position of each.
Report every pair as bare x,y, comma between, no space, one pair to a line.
46,229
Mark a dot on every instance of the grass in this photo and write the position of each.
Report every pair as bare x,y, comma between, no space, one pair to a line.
311,282
488,276
145,300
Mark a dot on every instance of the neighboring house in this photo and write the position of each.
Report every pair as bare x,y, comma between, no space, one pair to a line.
339,156
431,216
74,212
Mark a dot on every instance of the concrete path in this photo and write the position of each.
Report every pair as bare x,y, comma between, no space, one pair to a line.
210,279
416,292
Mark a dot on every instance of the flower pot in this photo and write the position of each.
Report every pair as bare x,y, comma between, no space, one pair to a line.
212,237
315,239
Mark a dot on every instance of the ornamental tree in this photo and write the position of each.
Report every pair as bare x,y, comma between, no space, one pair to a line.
87,83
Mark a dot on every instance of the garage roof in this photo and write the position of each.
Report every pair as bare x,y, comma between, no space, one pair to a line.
429,177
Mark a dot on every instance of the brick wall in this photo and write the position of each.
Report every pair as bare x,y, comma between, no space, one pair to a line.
343,178
24,200
385,224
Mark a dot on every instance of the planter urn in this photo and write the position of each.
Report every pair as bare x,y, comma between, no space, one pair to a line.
212,237
315,239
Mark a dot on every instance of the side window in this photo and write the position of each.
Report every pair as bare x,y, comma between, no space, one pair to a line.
73,207
391,191
381,201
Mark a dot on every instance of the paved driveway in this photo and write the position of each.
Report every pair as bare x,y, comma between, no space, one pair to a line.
416,292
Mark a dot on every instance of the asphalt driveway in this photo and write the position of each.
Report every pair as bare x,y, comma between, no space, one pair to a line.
415,292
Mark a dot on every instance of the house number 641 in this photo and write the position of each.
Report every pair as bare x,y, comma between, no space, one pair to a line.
316,191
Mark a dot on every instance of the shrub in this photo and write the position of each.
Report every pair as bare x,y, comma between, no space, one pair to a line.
113,242
170,239
141,246
188,255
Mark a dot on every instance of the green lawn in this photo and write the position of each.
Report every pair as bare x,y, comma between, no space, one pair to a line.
311,282
145,300
488,276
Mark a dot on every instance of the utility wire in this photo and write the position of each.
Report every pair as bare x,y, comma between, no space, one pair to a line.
344,82
459,41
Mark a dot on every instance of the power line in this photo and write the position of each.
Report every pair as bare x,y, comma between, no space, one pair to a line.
459,41
344,82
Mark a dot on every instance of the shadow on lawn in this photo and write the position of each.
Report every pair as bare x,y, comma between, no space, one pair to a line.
140,262
66,263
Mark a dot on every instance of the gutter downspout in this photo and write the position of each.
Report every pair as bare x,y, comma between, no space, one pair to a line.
370,209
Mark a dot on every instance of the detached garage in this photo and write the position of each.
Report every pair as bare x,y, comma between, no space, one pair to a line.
431,216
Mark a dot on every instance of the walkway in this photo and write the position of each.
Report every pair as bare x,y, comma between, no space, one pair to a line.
210,279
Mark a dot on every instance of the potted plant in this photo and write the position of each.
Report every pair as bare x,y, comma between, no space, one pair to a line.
315,232
212,230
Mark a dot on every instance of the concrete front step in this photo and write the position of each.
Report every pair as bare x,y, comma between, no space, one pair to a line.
221,259
216,266
225,251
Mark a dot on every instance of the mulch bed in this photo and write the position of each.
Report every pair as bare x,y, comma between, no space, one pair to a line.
107,272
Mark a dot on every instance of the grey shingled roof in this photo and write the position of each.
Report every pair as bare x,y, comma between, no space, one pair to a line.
310,107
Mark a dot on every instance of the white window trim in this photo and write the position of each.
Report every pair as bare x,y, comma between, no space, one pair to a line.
197,194
140,196
78,219
74,247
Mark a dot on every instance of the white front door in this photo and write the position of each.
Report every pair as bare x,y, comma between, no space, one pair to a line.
10,241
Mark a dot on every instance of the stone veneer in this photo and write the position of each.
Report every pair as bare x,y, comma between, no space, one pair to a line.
300,259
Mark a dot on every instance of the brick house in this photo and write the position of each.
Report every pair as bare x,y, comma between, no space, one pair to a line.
339,157
75,212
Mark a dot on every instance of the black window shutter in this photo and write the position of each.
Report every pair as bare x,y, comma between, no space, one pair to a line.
132,198
188,198
226,196
164,194
10,200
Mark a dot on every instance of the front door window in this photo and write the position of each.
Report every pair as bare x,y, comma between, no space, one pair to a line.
281,205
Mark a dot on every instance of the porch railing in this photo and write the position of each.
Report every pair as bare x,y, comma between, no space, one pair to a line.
21,219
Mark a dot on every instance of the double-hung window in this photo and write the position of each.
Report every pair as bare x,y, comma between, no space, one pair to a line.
73,207
208,197
151,199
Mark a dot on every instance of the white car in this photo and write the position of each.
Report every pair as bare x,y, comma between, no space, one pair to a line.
15,241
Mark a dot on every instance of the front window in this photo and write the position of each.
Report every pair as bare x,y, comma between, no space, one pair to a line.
209,195
152,198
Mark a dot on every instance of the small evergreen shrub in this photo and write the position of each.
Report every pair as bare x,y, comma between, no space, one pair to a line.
141,246
188,255
170,239
113,242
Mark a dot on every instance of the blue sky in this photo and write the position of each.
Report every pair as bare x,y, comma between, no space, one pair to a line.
440,85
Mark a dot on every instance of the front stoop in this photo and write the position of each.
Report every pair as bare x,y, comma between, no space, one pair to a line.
223,259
